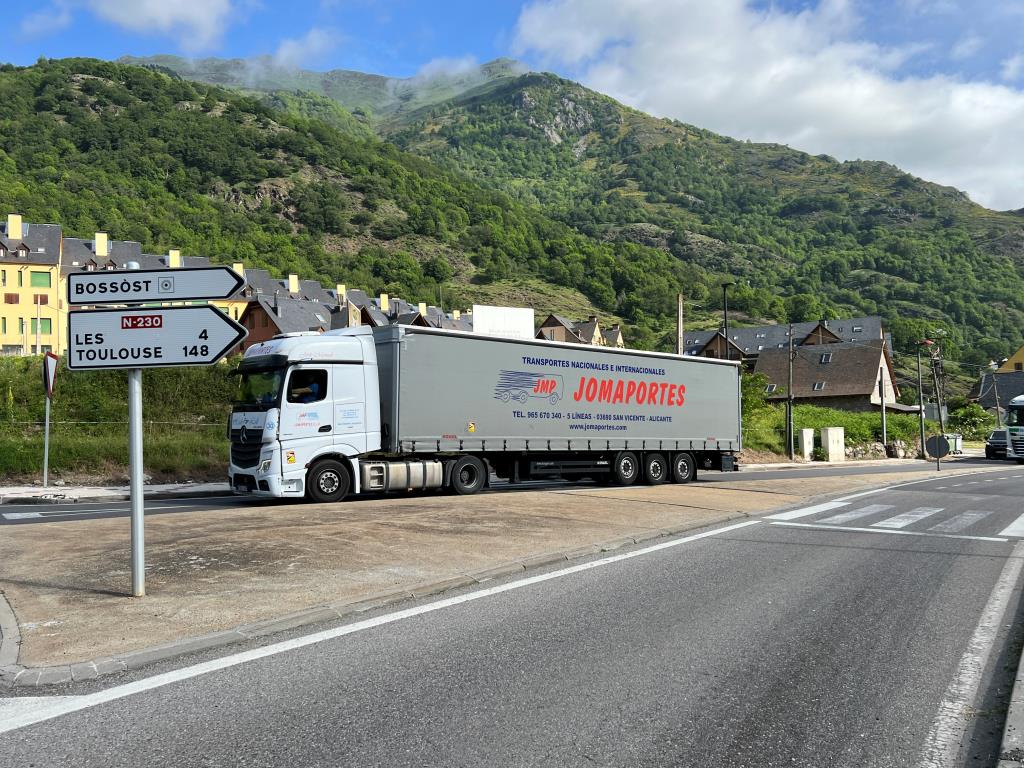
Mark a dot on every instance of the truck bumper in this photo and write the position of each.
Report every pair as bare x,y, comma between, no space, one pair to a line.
265,480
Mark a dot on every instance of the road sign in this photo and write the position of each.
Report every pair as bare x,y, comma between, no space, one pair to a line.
150,338
49,372
937,446
146,286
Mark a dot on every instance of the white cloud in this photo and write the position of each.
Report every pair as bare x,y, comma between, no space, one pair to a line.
196,25
47,21
306,50
807,79
966,47
1012,68
450,67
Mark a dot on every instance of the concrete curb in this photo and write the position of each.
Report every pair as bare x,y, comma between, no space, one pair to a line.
1011,753
155,496
14,675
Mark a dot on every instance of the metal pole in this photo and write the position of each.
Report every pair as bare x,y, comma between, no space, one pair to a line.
789,398
680,346
920,402
135,473
725,318
46,445
881,390
995,385
938,397
39,322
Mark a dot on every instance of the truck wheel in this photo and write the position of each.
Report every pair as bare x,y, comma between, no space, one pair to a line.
655,469
328,481
468,475
626,468
684,468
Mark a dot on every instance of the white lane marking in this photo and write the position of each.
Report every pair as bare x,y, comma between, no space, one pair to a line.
942,745
885,488
856,514
957,485
21,515
805,511
76,703
941,488
889,531
961,521
1016,528
22,705
907,518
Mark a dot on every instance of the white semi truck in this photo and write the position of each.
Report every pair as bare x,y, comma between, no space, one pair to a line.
405,408
1015,429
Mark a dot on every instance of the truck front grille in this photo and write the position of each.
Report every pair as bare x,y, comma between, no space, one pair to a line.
245,454
1018,445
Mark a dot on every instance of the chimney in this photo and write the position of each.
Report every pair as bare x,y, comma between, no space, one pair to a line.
456,314
384,303
100,244
293,283
174,259
422,309
14,226
277,303
342,293
239,268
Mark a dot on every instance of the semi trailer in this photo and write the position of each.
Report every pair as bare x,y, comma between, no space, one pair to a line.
404,408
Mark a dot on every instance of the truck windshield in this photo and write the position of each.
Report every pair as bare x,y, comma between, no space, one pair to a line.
259,388
1015,416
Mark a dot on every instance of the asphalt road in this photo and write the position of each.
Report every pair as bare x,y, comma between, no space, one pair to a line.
870,632
57,511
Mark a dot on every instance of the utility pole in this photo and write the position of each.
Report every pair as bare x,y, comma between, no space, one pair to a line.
680,345
920,399
789,399
39,349
938,395
881,391
995,386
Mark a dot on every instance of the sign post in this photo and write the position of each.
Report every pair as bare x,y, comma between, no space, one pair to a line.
49,374
148,337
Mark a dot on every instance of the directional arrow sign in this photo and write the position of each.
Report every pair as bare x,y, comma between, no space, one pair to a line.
146,286
150,338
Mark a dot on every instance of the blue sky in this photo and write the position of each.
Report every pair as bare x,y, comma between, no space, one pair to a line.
934,86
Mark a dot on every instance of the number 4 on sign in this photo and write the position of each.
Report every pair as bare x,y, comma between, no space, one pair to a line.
204,334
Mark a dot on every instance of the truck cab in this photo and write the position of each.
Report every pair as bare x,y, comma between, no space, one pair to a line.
301,399
1015,429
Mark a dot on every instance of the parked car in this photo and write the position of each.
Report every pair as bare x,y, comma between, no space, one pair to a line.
995,446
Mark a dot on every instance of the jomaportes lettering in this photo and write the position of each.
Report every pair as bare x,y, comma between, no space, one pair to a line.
628,391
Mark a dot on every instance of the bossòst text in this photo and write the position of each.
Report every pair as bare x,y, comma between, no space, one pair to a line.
628,391
115,287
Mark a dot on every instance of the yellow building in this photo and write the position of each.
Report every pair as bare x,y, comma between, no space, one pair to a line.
1013,363
30,315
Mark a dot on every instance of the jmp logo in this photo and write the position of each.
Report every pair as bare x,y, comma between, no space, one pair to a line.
519,385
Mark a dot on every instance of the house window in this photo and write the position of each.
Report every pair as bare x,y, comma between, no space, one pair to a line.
858,329
41,299
760,347
770,388
11,298
39,279
781,346
1018,366
21,279
3,325
761,335
3,278
826,358
44,326
21,325
819,385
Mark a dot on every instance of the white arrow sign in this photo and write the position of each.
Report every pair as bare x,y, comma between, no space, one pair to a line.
145,286
150,338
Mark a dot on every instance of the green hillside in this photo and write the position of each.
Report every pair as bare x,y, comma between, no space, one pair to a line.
805,236
171,163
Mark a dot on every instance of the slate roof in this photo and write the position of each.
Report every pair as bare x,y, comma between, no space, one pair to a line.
1010,385
613,336
313,291
586,329
852,369
759,338
42,240
292,315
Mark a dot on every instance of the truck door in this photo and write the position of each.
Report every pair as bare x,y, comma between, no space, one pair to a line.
307,414
349,407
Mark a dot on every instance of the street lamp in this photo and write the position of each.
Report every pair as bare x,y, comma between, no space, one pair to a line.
920,391
725,314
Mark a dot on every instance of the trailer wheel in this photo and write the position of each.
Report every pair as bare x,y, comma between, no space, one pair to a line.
328,481
655,469
684,468
626,469
468,475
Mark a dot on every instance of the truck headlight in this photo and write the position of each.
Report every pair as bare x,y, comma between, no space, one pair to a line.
265,465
